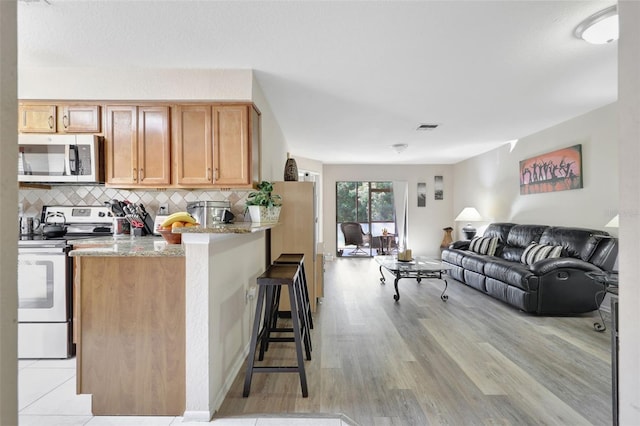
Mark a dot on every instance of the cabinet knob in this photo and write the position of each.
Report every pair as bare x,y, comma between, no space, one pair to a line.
65,121
141,175
51,121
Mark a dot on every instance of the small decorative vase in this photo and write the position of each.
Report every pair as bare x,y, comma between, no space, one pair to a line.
290,169
447,239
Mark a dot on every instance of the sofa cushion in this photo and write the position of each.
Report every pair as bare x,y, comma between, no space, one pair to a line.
577,242
500,230
484,245
520,236
513,273
535,252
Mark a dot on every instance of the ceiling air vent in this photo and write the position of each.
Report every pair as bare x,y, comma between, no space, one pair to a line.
427,126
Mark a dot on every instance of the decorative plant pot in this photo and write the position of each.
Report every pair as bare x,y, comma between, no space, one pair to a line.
261,214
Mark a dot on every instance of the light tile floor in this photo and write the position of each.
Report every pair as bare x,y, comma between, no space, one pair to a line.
47,397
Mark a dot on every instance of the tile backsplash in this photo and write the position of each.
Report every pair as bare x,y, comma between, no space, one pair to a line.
31,200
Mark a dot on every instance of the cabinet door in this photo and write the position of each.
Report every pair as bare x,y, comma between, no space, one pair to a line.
193,145
37,118
79,119
121,145
154,146
232,143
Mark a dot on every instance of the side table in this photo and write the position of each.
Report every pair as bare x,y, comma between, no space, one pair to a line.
609,282
385,243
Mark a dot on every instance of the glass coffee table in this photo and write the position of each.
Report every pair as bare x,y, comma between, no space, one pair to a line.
418,268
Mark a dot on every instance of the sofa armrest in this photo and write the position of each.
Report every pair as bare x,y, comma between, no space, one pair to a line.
547,265
460,245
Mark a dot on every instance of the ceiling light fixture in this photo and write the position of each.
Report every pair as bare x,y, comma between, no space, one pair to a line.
399,147
599,28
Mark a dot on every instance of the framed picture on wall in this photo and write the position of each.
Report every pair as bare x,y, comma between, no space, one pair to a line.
559,170
438,188
422,194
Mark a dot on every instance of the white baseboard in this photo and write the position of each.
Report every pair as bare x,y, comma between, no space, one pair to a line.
197,416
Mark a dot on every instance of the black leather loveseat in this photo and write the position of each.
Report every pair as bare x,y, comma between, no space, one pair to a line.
536,268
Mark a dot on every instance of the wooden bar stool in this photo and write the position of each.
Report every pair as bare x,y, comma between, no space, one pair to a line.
273,278
298,259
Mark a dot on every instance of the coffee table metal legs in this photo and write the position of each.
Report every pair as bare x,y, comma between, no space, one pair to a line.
418,276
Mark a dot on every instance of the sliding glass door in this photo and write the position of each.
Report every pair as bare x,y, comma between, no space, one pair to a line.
364,213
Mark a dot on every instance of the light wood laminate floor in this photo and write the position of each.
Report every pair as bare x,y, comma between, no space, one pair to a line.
469,361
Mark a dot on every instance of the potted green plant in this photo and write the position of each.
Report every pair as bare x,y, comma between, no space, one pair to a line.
263,205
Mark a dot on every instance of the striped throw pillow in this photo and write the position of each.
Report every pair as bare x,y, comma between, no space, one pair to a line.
484,245
535,252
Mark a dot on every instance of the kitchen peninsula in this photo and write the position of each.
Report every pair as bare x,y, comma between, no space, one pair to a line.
164,329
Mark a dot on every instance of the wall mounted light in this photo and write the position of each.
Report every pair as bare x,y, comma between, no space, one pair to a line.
469,214
599,28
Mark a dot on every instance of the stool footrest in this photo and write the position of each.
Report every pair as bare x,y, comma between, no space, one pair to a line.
283,369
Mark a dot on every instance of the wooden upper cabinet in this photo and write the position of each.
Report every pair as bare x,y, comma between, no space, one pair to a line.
154,146
137,142
121,145
193,145
79,119
213,145
232,146
37,118
59,118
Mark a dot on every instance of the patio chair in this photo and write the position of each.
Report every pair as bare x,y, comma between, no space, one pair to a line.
355,236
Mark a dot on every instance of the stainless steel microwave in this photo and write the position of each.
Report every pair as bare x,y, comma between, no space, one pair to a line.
60,158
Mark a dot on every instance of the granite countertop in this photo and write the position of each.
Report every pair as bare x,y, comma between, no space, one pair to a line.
125,246
226,228
151,246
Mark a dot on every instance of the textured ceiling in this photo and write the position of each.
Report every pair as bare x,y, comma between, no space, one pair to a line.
348,79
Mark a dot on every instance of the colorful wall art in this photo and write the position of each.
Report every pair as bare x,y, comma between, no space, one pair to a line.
559,170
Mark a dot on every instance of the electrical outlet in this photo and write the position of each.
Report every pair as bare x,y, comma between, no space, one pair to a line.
250,294
164,209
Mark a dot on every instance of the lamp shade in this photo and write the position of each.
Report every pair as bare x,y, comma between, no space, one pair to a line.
469,214
613,223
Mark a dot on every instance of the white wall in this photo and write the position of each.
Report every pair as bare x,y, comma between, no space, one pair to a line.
629,178
425,223
274,146
135,84
8,216
490,182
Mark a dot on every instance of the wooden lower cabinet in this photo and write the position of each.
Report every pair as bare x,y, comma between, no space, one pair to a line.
131,334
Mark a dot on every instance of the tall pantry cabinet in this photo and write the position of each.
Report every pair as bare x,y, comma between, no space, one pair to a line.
296,233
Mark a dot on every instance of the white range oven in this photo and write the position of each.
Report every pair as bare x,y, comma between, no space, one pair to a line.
45,282
44,305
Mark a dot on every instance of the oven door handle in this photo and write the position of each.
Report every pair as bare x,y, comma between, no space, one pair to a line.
42,250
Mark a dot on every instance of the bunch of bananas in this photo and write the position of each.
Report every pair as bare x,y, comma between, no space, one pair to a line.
179,219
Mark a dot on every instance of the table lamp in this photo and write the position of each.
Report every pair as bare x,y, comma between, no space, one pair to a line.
613,223
469,214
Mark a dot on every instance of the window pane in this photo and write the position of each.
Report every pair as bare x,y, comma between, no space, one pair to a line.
346,201
363,202
382,207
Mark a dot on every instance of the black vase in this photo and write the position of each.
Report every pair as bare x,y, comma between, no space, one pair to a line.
290,169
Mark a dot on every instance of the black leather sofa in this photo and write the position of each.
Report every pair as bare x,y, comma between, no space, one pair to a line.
546,286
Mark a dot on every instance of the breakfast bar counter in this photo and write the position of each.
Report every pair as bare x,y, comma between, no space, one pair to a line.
163,329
